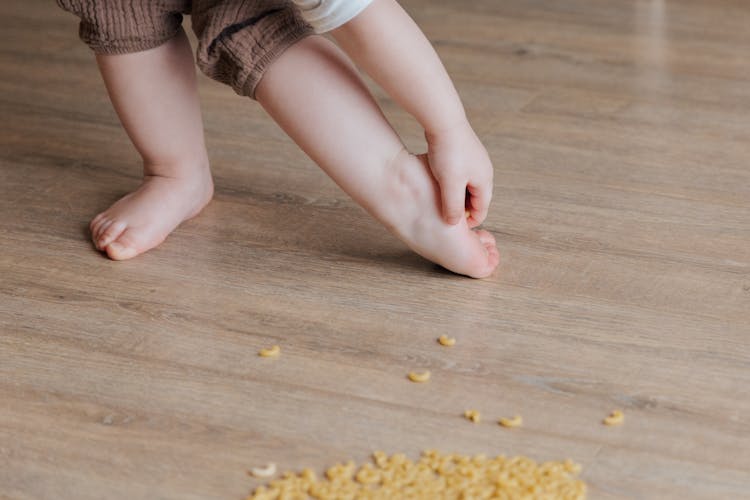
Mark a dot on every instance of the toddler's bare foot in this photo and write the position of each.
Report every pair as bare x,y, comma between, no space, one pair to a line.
142,219
411,210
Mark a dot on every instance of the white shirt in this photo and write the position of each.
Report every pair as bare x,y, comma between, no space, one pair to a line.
325,15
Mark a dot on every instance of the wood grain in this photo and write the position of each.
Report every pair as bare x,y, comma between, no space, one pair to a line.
619,132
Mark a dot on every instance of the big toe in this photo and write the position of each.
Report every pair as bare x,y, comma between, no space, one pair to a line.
486,258
485,237
122,248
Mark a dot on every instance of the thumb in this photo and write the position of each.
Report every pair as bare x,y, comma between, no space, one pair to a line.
454,201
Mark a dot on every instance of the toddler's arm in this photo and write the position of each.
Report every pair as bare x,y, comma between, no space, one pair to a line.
386,43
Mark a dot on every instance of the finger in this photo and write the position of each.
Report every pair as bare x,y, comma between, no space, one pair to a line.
478,202
470,221
454,201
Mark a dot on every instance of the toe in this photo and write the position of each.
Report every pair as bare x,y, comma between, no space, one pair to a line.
117,251
110,233
485,237
493,257
96,232
96,220
487,257
123,248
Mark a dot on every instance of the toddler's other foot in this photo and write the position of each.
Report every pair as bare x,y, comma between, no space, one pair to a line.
141,220
411,210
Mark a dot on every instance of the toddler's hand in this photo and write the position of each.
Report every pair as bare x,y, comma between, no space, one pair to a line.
463,169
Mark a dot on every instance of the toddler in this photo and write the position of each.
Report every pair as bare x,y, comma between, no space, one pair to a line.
272,51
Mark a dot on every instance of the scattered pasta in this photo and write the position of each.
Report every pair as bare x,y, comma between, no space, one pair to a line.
614,418
273,352
419,376
446,340
263,472
516,421
473,415
435,476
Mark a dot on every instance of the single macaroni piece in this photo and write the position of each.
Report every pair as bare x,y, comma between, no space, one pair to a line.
516,421
270,353
263,472
467,214
434,476
614,418
446,340
367,475
419,377
473,415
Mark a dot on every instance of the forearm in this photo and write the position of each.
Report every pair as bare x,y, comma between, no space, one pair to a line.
386,43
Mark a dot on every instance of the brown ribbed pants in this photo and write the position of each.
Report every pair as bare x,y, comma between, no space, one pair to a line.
237,40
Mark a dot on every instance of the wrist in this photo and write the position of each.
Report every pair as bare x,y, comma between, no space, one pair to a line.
438,132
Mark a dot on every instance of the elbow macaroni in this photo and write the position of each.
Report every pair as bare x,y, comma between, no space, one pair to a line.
446,341
473,415
434,476
614,418
419,376
516,421
273,352
267,471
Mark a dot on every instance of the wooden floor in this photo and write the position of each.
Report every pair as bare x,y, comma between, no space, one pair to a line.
620,134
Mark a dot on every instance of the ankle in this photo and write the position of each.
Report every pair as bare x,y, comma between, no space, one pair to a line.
185,167
191,177
408,189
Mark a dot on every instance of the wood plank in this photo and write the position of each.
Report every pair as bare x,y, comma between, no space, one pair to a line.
619,135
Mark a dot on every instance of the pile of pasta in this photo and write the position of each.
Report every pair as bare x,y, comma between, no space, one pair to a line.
435,476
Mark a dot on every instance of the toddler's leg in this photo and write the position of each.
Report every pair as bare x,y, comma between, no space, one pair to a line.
155,95
315,94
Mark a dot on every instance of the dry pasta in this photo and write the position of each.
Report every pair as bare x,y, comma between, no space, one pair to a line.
516,421
446,340
435,476
267,471
473,415
270,353
419,376
615,418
